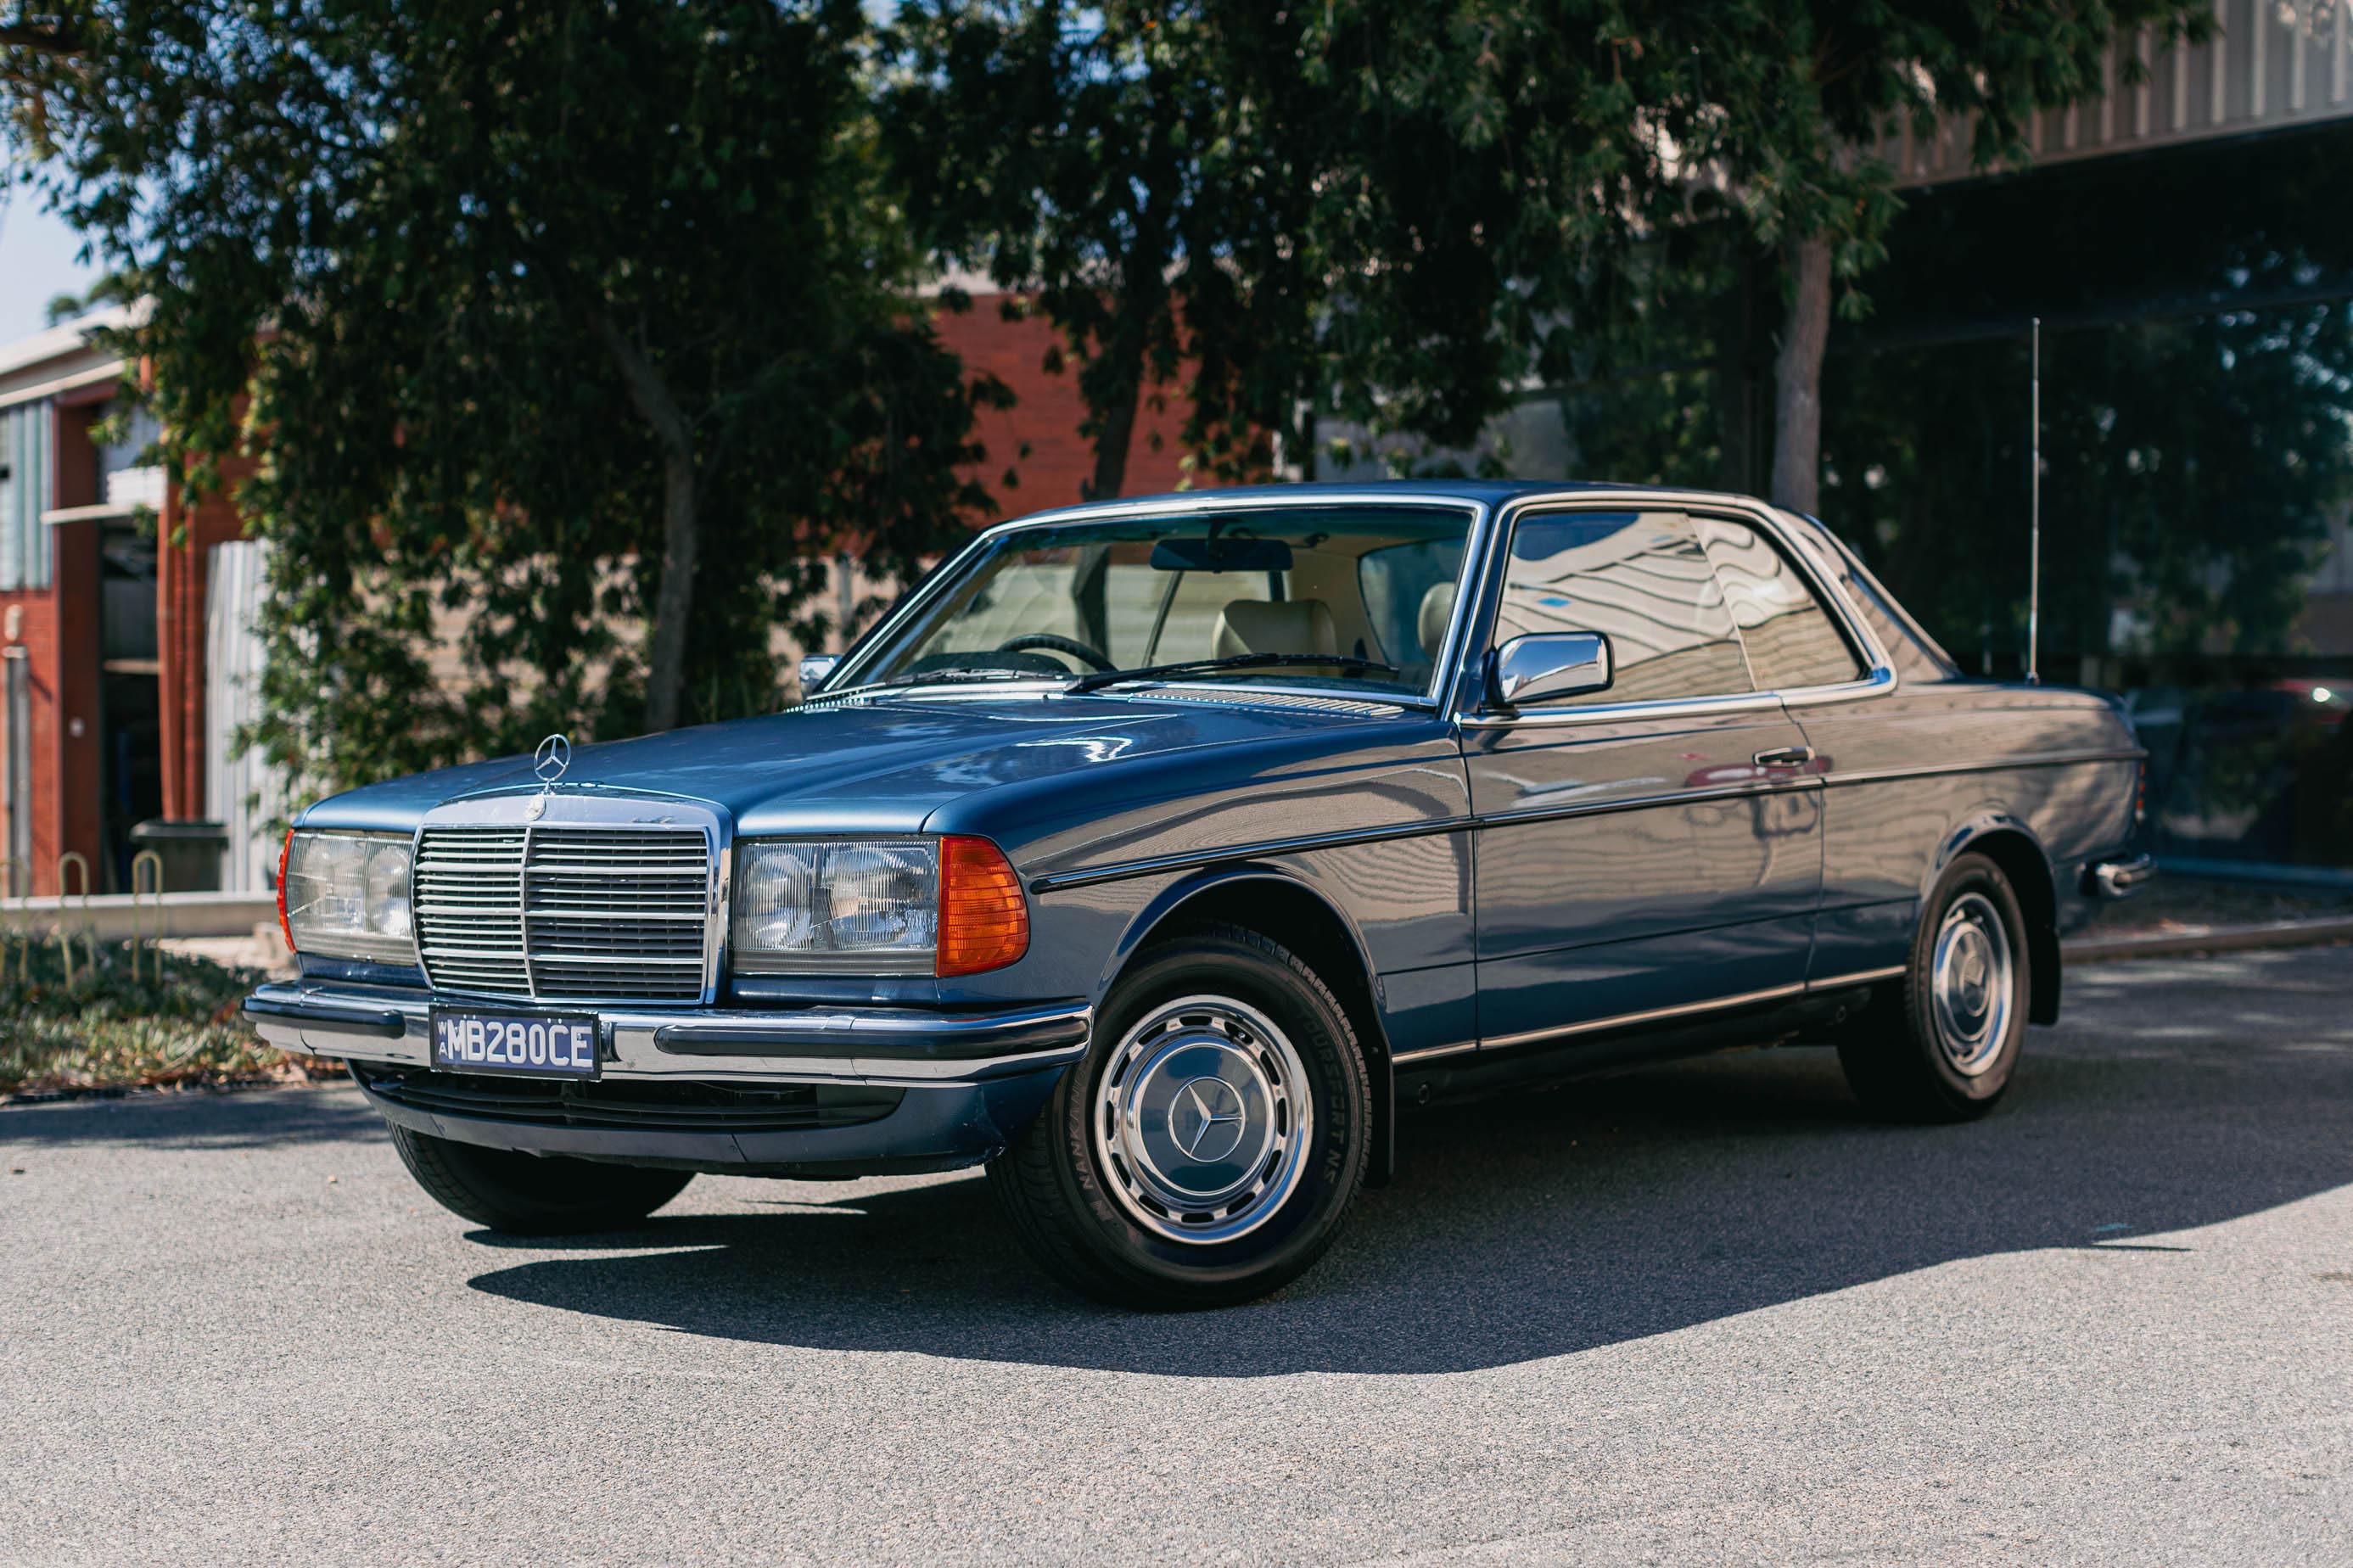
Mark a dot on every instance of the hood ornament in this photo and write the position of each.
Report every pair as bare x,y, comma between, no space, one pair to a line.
548,763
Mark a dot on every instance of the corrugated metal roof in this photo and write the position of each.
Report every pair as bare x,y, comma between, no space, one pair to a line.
2273,64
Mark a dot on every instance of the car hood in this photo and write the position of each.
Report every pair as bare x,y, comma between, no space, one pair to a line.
867,765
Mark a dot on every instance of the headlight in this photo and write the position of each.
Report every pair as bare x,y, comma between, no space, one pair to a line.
875,906
346,895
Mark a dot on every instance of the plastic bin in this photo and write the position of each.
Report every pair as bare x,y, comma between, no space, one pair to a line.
191,851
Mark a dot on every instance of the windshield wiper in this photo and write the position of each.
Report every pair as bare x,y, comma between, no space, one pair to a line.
950,674
1103,678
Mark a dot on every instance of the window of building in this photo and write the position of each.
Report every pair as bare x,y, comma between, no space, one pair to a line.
23,496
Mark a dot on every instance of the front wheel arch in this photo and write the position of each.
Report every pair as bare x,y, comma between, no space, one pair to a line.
1304,921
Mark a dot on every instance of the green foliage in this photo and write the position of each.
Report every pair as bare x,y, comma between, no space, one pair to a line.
2198,409
583,329
106,1029
1140,173
587,328
1774,97
2190,466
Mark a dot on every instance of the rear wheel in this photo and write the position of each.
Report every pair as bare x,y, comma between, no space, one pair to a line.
533,1195
1943,1045
1206,1150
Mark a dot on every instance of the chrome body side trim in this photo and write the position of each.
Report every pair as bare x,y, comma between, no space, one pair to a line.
1651,1016
1941,770
1305,842
1430,1053
1635,1020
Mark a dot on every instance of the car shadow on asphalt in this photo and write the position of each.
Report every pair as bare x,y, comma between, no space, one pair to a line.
260,1118
1540,1225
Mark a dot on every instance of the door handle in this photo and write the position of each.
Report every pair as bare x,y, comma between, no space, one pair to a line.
1785,757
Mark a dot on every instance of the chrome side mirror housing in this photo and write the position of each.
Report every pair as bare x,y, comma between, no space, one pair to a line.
815,668
1545,666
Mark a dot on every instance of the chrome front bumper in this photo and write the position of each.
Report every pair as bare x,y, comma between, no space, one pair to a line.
905,1047
954,1086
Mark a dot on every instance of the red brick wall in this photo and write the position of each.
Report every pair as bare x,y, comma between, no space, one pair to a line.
1048,417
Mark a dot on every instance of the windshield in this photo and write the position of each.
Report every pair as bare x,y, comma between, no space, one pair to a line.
1353,596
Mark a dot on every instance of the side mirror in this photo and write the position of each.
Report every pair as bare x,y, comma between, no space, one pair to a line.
1545,666
815,668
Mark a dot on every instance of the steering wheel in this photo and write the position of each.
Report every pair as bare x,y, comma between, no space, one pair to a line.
1057,644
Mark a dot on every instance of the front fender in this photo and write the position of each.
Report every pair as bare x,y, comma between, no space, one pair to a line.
1155,911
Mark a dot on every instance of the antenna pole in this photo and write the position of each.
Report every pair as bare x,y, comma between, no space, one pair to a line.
2034,508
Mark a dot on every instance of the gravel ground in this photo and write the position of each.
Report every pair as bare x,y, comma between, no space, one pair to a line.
1697,1314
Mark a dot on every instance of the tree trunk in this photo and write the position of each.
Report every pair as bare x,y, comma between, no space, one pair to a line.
674,600
1113,437
1797,379
1735,379
673,606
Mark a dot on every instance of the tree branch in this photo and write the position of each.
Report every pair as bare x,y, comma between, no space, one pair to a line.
61,40
648,394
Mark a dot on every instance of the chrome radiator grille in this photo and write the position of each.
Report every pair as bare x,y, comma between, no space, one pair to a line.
564,913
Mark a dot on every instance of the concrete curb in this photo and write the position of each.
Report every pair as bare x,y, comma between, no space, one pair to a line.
2208,939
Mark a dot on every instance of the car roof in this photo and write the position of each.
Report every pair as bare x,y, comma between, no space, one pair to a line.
1490,492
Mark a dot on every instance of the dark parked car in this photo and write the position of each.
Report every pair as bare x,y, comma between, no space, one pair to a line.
1155,852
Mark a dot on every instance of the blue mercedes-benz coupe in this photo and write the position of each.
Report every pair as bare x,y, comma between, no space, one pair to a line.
1153,853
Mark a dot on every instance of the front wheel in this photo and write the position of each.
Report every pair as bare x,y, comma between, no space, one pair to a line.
533,1195
1943,1046
1206,1150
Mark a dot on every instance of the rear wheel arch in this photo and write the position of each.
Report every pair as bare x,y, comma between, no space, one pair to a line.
1304,921
2012,845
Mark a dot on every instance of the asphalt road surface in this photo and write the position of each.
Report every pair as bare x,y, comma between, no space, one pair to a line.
1703,1313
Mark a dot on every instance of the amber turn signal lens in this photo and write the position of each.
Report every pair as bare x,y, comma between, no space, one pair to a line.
983,920
285,851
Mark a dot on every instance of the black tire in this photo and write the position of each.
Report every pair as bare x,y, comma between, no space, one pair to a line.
533,1195
1904,1058
1084,1215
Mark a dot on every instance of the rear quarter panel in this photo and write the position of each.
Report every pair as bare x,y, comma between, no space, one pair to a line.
1916,776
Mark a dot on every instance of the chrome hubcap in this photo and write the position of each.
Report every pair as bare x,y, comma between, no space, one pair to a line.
1202,1119
1973,984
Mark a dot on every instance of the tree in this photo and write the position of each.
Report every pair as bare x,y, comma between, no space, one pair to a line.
1393,212
560,321
1783,99
1498,208
1135,172
2197,402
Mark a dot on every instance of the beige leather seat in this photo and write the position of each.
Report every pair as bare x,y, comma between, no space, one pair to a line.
1256,626
1437,610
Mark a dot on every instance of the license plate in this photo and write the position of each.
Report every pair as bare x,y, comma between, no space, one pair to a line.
532,1045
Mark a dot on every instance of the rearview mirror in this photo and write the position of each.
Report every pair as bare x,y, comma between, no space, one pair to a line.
1243,553
1545,666
815,668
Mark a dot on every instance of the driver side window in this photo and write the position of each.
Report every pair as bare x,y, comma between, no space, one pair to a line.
1641,578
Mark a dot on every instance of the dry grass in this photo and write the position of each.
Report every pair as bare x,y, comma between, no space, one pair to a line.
106,1029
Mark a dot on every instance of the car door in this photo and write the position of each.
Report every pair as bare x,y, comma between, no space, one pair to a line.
1646,849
